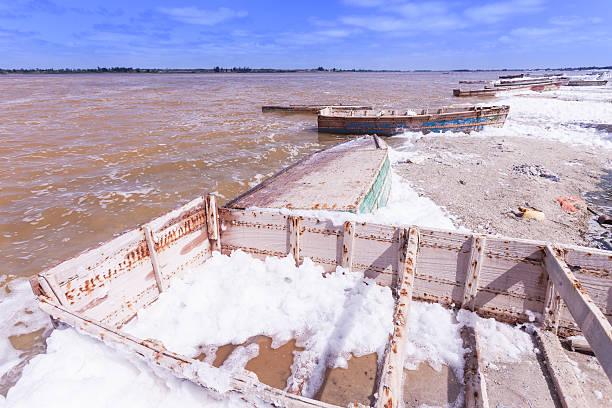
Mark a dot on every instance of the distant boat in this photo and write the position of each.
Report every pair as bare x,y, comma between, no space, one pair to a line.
537,87
587,82
310,108
391,122
476,81
511,76
523,81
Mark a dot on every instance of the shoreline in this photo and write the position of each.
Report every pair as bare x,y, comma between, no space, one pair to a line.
482,181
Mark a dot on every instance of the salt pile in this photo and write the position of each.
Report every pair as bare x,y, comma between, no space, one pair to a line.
233,298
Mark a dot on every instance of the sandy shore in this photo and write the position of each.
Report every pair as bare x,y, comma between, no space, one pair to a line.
483,180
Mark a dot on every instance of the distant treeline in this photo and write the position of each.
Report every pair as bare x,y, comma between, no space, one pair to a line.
130,70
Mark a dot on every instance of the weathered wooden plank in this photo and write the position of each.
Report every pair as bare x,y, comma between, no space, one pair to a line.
183,367
212,222
594,325
154,261
294,238
477,244
389,387
473,377
552,308
348,241
567,385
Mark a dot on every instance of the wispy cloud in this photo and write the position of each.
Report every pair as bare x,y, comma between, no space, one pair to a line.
495,12
197,16
396,17
575,21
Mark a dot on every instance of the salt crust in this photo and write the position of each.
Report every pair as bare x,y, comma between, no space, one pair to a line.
233,298
79,371
19,315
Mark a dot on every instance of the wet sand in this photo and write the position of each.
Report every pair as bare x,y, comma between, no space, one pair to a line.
473,178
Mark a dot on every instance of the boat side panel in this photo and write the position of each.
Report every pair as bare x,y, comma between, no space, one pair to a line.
258,232
371,199
107,282
181,242
322,242
110,283
387,126
441,266
512,279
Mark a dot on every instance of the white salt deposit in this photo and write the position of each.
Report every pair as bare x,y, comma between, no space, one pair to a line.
434,337
79,371
233,298
19,315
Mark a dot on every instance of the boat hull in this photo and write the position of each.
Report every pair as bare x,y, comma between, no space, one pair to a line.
493,91
467,121
354,176
588,83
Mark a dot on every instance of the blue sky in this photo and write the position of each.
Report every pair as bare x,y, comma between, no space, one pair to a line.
369,34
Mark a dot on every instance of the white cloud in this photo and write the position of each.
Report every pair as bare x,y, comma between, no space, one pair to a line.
194,15
495,12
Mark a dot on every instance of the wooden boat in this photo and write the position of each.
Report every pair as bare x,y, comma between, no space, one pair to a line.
476,81
102,289
585,82
523,81
310,108
511,76
390,122
353,176
546,86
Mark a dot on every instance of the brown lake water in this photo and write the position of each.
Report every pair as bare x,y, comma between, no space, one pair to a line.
85,157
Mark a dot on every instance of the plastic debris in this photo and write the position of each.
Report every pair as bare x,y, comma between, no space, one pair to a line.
532,213
535,170
571,204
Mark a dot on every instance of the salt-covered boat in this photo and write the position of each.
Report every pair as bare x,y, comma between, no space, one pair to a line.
391,122
310,108
101,290
353,176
